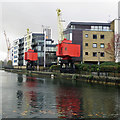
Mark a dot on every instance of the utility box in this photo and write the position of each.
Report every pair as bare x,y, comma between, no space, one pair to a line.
31,55
66,48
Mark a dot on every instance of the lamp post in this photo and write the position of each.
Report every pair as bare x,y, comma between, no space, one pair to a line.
98,63
45,36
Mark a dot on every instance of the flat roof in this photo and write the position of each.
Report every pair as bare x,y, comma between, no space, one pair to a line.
89,23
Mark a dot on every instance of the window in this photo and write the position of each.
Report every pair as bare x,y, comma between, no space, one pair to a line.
86,44
15,56
15,48
26,44
102,54
86,53
94,45
65,49
39,48
92,27
96,28
15,52
40,54
94,36
94,54
102,36
15,61
72,26
100,28
102,45
86,35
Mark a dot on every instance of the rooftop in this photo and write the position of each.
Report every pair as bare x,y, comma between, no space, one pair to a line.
89,23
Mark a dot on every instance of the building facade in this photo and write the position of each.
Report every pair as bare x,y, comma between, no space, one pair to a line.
39,44
15,52
95,40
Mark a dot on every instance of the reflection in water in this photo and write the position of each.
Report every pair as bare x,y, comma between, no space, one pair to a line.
19,99
69,104
31,97
31,81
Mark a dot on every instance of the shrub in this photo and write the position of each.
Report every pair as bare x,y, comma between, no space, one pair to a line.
55,67
108,68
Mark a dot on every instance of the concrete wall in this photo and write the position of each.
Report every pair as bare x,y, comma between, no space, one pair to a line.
108,36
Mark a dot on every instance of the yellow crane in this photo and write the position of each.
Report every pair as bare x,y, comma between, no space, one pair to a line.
28,40
8,46
60,26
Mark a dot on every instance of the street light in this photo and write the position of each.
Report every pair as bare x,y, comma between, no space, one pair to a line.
98,63
44,33
98,58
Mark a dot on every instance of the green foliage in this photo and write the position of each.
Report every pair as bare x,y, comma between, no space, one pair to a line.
104,67
82,67
55,67
108,68
94,68
9,63
109,63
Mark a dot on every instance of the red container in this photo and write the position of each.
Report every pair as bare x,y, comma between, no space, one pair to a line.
66,48
31,55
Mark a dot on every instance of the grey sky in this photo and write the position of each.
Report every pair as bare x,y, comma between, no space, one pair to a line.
17,17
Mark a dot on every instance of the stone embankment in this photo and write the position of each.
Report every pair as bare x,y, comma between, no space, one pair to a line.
76,77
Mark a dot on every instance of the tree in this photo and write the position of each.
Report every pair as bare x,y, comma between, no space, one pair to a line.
113,48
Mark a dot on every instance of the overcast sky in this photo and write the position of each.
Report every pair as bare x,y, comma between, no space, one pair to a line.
16,17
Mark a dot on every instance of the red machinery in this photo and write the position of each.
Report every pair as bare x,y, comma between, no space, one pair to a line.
31,57
66,50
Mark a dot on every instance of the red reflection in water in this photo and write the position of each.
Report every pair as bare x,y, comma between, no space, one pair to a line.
68,104
31,81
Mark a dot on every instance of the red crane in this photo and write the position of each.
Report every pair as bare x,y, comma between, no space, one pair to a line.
30,55
66,50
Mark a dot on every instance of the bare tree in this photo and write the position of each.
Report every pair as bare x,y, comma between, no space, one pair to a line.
113,48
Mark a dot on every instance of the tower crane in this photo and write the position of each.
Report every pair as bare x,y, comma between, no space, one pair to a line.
66,50
60,26
8,45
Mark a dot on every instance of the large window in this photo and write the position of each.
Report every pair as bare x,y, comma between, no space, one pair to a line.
94,36
94,45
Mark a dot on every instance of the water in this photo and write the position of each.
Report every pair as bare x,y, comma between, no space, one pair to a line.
30,97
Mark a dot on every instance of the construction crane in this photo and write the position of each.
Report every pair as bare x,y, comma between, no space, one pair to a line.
30,55
28,40
60,26
66,50
8,46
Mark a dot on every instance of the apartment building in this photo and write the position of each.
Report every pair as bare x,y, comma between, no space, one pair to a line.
15,51
37,43
95,40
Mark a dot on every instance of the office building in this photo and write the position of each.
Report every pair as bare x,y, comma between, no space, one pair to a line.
94,39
